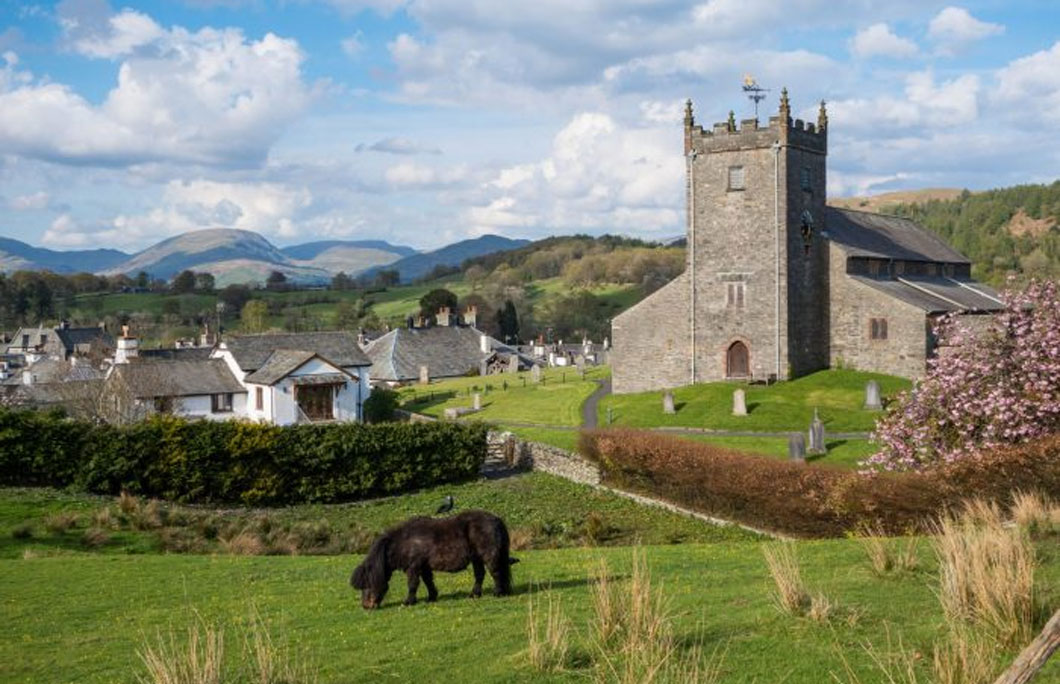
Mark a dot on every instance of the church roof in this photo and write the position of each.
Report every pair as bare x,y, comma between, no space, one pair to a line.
937,294
860,233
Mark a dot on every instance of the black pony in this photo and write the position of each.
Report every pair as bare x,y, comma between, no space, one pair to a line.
419,546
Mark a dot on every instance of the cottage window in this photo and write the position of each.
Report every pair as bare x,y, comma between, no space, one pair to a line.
734,298
878,328
737,180
259,398
25,341
43,340
221,403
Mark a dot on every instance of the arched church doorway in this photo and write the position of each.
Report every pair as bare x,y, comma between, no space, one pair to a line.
737,361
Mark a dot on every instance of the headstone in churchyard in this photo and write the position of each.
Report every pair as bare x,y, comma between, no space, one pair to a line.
535,373
579,363
476,402
817,435
739,403
872,396
513,364
668,402
425,375
797,447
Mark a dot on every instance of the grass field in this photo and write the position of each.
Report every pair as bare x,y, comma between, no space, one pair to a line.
556,401
837,394
84,619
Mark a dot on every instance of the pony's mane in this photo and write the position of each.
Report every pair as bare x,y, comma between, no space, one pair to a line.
373,571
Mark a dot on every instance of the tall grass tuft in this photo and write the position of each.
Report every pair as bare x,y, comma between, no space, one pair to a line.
268,663
1034,512
986,574
548,642
888,556
791,595
198,661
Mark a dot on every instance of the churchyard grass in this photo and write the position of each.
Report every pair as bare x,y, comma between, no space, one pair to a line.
837,394
557,400
84,619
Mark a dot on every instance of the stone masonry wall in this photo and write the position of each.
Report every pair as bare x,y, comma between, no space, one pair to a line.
504,448
650,341
903,353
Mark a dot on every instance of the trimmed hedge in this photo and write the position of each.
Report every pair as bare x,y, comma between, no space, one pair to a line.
236,461
809,500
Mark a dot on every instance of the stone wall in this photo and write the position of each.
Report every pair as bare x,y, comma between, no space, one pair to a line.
650,341
903,353
505,450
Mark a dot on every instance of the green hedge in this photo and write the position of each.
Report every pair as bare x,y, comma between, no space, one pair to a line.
235,461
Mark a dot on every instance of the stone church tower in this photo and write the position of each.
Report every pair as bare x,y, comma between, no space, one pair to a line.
753,300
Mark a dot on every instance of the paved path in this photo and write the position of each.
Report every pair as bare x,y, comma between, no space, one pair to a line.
589,412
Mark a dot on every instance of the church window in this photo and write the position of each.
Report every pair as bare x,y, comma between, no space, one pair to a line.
878,328
735,296
806,179
737,180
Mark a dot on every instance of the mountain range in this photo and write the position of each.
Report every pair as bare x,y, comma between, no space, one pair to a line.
241,256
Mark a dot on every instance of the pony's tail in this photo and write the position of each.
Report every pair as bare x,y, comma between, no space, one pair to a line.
504,561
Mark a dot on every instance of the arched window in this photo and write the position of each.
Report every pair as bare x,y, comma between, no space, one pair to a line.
737,361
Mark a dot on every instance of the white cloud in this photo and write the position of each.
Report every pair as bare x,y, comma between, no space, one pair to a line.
926,104
879,40
418,176
354,45
399,145
206,97
36,200
955,27
1031,85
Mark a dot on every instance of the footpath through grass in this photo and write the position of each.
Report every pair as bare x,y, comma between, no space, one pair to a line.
556,400
837,394
84,619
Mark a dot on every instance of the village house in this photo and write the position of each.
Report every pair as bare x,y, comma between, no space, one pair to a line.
61,342
777,284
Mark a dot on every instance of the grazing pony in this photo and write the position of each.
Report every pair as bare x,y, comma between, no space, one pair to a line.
419,546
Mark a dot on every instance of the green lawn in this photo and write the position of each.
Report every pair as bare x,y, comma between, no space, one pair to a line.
557,400
83,619
837,394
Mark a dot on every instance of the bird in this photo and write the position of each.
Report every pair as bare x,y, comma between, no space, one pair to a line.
446,506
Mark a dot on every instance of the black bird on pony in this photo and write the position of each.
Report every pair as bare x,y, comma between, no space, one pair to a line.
420,545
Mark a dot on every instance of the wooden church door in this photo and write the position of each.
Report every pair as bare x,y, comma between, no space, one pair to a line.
738,362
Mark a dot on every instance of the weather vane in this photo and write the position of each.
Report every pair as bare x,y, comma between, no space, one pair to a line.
755,92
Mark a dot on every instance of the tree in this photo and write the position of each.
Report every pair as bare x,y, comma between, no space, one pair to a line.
508,322
348,314
183,283
276,281
434,300
204,282
986,390
387,277
341,282
142,279
234,297
254,316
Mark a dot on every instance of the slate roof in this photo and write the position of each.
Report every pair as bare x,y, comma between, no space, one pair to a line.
447,351
937,294
251,352
71,337
279,365
149,378
860,233
177,353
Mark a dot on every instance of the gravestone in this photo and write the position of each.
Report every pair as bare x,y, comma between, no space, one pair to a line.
513,364
872,396
425,375
739,403
535,373
668,403
817,435
476,402
797,448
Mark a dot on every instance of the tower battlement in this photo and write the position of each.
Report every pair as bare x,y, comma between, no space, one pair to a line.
749,134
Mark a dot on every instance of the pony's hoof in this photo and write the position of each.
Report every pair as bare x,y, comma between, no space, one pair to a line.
409,602
432,599
474,595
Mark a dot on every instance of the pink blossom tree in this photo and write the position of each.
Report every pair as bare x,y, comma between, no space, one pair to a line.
985,390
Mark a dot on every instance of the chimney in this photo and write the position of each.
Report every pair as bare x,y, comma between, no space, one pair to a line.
484,344
362,339
64,324
128,347
471,316
444,317
27,377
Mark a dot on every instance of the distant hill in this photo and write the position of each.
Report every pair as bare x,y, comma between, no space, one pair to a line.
876,202
19,256
348,256
418,265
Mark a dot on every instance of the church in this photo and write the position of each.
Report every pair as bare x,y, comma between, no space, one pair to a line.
777,283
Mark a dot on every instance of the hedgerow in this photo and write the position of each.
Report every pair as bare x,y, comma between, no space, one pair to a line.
235,461
809,500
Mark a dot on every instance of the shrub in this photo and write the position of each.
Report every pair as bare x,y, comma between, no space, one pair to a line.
380,405
234,461
986,390
811,500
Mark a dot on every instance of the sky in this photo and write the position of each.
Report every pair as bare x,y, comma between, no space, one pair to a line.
424,122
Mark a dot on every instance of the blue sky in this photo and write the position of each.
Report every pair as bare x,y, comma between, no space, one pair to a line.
423,122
